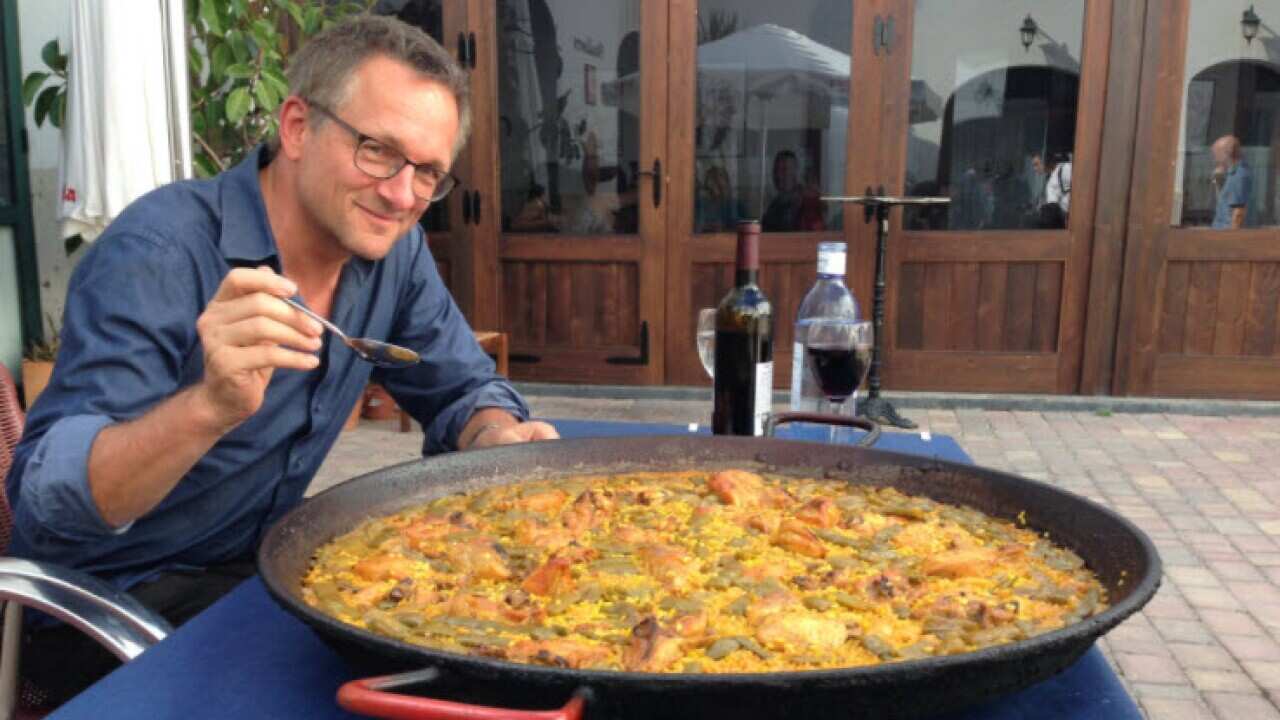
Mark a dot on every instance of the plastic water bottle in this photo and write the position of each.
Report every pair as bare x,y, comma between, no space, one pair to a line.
828,299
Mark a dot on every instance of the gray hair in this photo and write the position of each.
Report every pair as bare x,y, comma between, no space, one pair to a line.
320,71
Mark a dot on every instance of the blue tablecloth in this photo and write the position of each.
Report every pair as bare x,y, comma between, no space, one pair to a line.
246,658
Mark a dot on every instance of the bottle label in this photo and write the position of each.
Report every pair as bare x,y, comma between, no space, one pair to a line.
764,394
831,263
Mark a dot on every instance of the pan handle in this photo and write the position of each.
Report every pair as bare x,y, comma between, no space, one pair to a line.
372,697
773,420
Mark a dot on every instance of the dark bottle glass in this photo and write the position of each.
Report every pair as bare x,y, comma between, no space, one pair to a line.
744,346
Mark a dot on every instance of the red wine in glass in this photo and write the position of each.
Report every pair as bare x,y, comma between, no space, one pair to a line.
839,369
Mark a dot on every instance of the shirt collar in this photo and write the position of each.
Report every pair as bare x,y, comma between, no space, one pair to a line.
246,238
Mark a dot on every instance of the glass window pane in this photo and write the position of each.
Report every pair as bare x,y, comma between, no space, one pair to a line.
1227,164
10,95
569,115
992,120
772,113
429,16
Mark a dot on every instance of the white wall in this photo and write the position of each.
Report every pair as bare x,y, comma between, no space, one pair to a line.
38,22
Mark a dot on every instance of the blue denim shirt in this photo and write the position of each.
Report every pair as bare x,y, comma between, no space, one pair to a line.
129,341
1237,191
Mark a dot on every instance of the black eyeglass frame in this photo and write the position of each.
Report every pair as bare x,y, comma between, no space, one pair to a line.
447,182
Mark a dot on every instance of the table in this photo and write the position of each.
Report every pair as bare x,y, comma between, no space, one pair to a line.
246,658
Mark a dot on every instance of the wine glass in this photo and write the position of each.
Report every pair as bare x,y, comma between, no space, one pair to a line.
706,337
838,355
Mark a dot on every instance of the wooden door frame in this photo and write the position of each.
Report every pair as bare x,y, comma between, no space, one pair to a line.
487,246
684,246
1033,372
1154,241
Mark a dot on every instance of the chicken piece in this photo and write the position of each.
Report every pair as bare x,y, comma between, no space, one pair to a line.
798,538
368,596
425,531
479,558
652,648
766,523
888,585
668,564
969,562
542,535
631,535
820,512
559,652
383,566
738,487
553,577
691,626
801,632
588,511
548,502
771,604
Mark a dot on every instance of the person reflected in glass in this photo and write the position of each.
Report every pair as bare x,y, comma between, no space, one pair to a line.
1234,182
1034,178
595,215
783,213
811,215
1056,208
536,215
716,211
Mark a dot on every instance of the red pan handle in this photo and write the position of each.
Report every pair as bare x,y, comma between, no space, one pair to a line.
371,697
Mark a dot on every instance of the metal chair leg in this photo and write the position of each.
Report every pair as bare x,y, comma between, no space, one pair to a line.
10,644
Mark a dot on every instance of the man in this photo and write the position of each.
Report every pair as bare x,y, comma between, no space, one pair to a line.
1234,181
1057,193
191,405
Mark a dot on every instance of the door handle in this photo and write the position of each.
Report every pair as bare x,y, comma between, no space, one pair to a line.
462,49
471,49
475,206
656,174
644,350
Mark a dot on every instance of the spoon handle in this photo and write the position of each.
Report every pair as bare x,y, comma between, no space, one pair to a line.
307,311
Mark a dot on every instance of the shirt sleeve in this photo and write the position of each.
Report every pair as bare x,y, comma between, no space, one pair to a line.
455,378
127,329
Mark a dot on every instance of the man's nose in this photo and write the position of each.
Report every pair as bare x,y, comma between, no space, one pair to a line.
397,190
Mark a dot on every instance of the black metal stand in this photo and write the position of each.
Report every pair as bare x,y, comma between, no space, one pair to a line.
876,206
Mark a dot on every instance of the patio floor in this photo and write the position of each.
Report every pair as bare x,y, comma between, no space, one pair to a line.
1206,489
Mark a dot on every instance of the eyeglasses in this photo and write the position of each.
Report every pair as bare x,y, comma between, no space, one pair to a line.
379,160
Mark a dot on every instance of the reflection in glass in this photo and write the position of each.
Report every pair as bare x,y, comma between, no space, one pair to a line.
992,121
772,113
1231,134
569,115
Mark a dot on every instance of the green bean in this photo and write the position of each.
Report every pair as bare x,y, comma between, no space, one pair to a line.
842,561
878,647
739,606
852,602
614,566
750,643
383,625
409,619
482,640
832,536
722,647
817,602
542,633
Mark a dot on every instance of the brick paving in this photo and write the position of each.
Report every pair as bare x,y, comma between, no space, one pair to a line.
1206,489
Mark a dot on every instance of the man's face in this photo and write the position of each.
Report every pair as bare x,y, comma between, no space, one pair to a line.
784,173
391,103
1037,165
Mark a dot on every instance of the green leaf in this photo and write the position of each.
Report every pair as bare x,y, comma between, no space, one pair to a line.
31,85
312,23
195,63
279,85
296,13
204,166
238,105
209,14
59,110
265,96
239,46
53,57
221,57
44,103
239,71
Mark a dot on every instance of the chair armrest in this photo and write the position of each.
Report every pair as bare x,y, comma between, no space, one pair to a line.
116,620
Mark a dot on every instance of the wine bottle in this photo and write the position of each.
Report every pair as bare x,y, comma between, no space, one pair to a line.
827,300
744,346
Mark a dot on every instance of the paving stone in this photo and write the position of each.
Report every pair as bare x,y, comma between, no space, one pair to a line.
1150,668
1221,681
1185,631
1176,709
1235,706
1251,647
1203,657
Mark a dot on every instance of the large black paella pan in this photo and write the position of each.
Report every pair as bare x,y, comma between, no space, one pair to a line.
1119,553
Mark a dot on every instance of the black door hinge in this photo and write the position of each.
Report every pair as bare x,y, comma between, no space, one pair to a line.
882,35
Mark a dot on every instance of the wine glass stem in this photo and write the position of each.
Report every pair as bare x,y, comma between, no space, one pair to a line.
833,434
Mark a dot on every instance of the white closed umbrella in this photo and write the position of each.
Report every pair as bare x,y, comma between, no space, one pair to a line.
116,141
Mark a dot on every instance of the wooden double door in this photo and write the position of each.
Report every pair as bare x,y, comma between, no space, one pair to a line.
615,143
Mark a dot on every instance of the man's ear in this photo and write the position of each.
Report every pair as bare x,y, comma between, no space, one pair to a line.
295,129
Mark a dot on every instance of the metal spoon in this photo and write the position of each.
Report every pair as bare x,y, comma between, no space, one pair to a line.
375,351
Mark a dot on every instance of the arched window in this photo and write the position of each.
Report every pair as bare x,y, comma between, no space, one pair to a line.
1232,144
